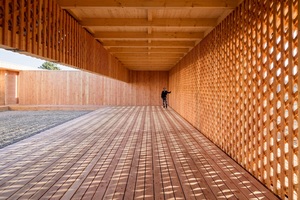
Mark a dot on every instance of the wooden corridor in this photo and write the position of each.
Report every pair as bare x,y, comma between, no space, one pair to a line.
144,152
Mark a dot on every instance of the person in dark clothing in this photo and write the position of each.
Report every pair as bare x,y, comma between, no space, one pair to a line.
164,94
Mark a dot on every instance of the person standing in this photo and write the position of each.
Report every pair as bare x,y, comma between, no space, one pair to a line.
164,94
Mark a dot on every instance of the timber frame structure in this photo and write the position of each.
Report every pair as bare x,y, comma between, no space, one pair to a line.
237,82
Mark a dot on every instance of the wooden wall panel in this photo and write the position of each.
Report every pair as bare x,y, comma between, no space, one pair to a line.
82,88
146,87
40,28
11,87
2,87
240,87
8,87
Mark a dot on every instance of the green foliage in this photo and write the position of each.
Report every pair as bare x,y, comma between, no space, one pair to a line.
49,66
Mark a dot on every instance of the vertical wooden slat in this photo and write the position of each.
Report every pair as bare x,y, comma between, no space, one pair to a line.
74,44
39,24
5,33
244,119
234,140
285,147
259,90
277,134
261,97
35,19
28,27
57,32
22,40
50,30
271,125
296,42
67,25
77,49
13,32
267,116
251,72
54,30
239,76
69,41
290,141
60,34
45,24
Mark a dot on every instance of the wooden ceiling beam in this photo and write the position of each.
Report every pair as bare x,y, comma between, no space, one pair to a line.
68,4
167,59
149,68
120,22
136,50
169,44
152,55
147,64
156,35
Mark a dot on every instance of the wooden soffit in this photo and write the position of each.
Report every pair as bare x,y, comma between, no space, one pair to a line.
149,35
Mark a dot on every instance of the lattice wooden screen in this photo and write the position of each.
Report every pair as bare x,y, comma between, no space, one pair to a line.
42,28
240,87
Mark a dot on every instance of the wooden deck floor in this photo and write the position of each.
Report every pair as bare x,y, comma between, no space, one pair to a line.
123,153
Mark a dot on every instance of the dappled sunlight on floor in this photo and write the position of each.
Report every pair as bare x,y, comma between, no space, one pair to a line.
124,153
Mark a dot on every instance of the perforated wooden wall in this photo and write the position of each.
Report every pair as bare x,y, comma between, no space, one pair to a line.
41,28
240,87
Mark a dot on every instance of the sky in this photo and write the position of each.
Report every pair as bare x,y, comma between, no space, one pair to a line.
24,60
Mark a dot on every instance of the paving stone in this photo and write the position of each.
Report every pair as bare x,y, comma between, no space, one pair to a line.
18,125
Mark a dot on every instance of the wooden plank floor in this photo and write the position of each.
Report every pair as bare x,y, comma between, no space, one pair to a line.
144,152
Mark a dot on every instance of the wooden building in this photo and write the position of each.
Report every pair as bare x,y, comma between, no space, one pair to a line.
8,87
232,66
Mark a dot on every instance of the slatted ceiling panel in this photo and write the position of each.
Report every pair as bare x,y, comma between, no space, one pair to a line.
153,43
115,29
149,24
108,12
182,30
187,12
126,50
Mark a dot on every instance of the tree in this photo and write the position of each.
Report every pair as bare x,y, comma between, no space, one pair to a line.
49,66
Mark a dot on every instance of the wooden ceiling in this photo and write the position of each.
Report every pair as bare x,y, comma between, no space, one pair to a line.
149,34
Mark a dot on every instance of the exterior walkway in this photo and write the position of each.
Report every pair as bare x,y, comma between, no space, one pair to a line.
123,153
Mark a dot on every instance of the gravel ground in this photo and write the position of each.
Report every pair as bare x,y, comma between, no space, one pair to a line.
18,125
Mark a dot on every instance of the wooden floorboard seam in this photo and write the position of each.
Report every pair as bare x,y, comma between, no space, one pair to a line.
68,166
210,174
257,187
189,166
124,152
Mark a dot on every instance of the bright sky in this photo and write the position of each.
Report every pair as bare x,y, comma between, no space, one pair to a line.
24,60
